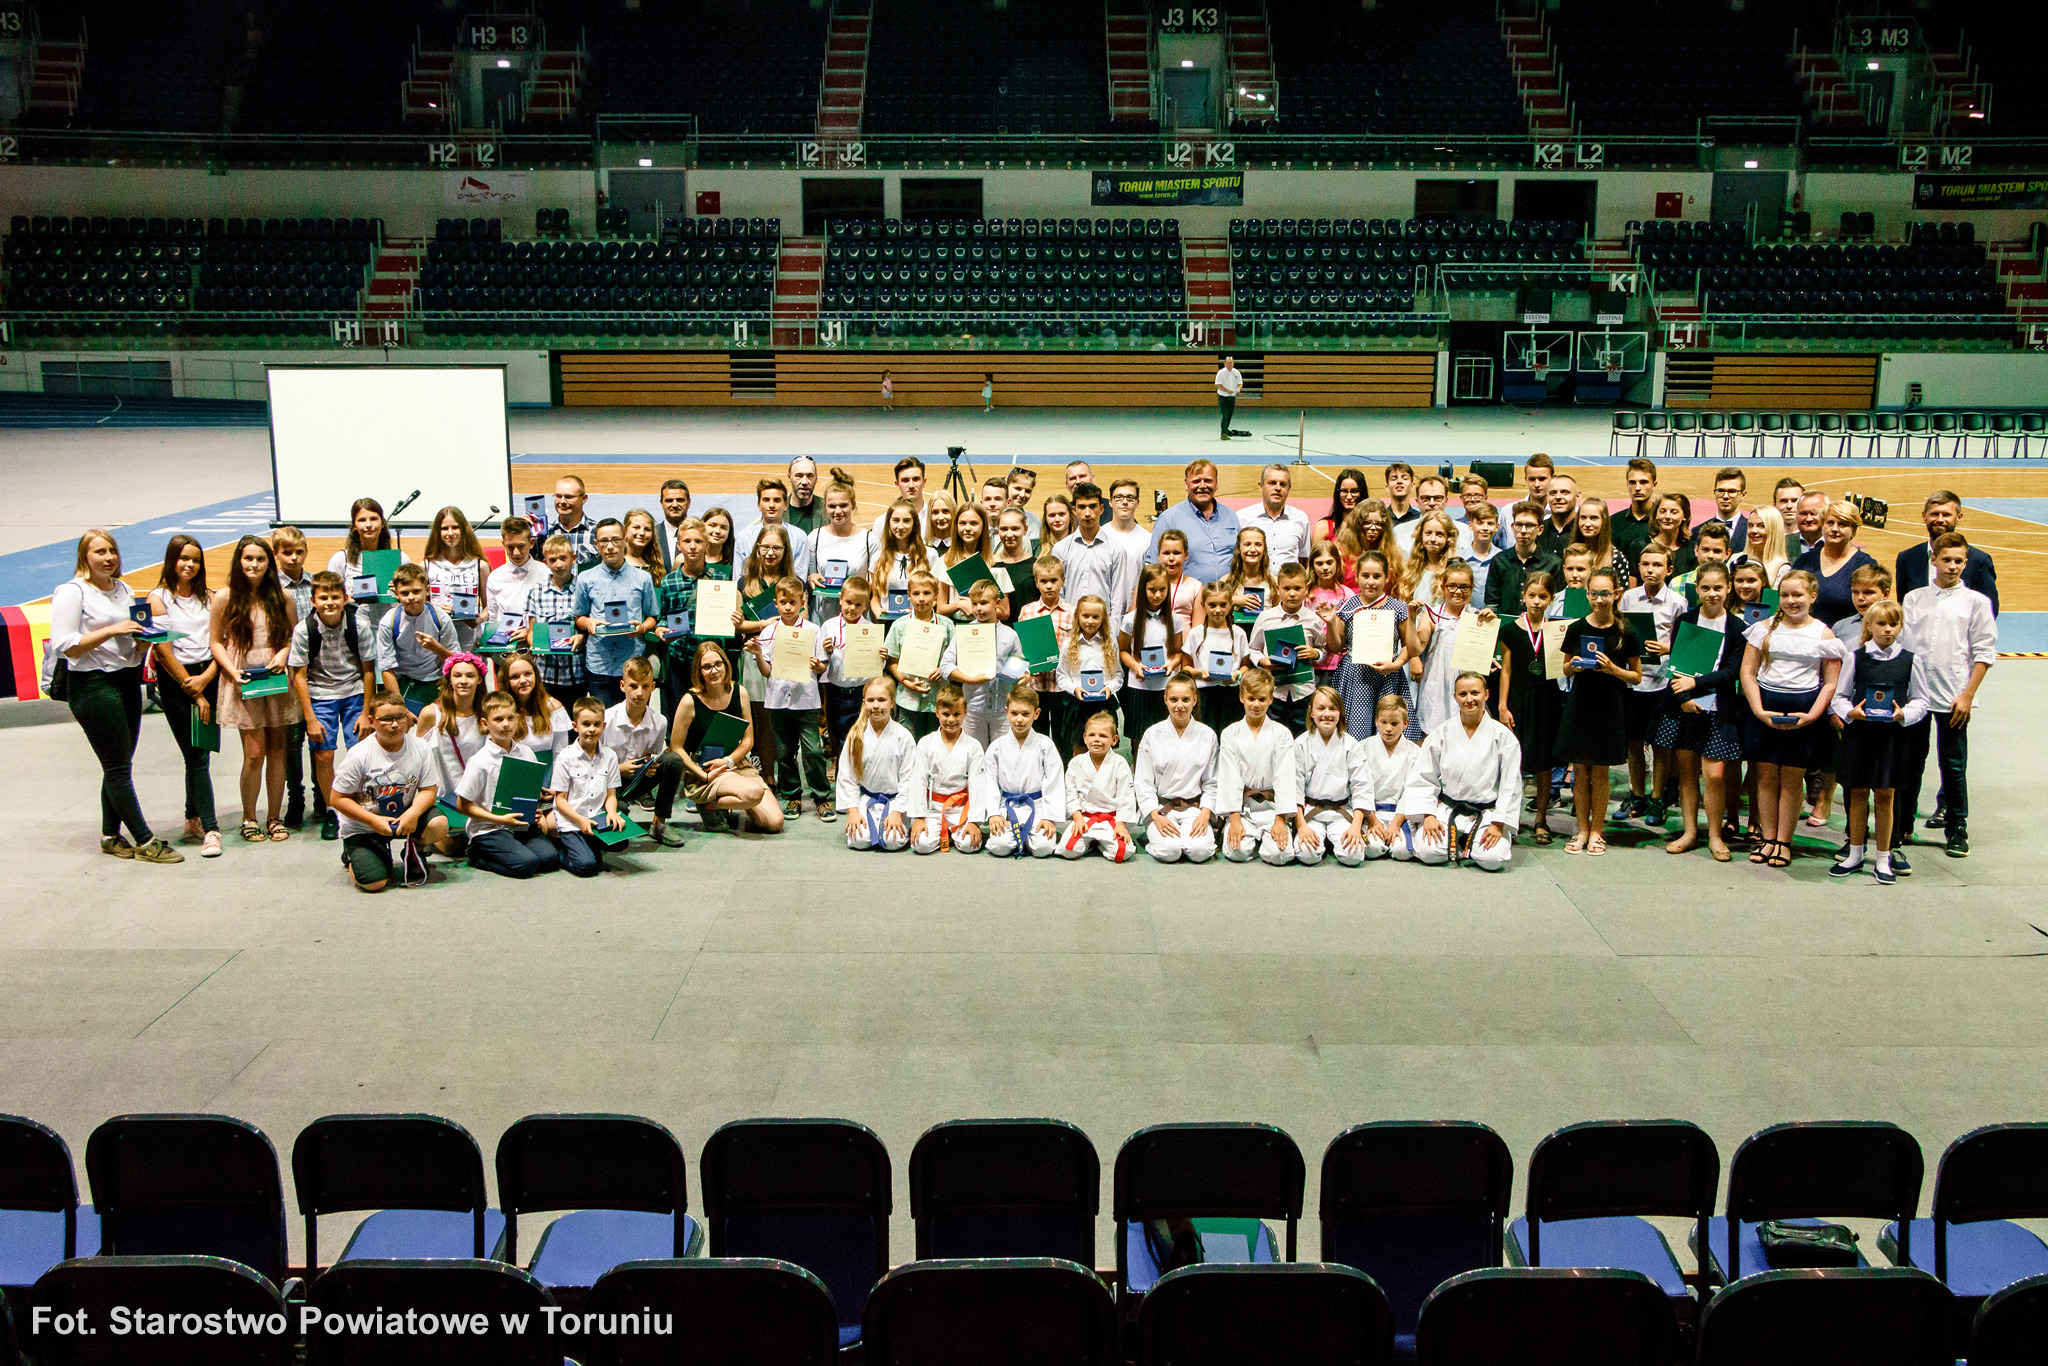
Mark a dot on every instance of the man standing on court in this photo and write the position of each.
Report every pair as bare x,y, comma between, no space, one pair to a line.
805,508
1210,527
1229,383
1286,528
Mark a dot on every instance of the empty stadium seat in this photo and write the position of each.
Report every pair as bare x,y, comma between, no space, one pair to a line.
1202,1191
1539,1317
620,1177
750,1309
1986,1179
195,1289
1005,1188
1792,1172
188,1185
41,1220
998,1309
504,1302
423,1175
1219,1315
1875,1316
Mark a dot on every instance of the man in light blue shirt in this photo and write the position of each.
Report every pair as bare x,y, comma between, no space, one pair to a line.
612,580
1210,527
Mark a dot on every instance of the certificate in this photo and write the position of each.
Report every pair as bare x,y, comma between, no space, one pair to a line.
861,655
718,602
974,648
1372,636
794,646
1473,650
923,641
1553,646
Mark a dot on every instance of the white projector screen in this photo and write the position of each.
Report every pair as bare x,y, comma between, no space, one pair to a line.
343,432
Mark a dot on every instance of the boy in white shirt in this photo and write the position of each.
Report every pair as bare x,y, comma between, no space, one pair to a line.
1255,778
509,583
384,790
330,677
288,554
986,693
794,707
637,736
1176,780
1952,631
1290,700
1102,794
507,843
1020,788
947,761
1646,697
586,787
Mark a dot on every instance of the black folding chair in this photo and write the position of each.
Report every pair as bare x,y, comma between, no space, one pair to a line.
499,1307
1985,1179
191,1185
424,1176
1170,1175
1412,1204
1005,1188
1790,1172
622,1178
1547,1317
2011,1325
816,1192
41,1221
995,1312
156,1288
1874,1316
752,1309
1304,1314
1589,1183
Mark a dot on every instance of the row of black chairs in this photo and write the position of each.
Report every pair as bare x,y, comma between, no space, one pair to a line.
1006,1312
1017,229
1413,229
642,252
213,229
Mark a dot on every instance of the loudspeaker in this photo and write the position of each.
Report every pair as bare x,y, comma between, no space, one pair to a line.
1498,474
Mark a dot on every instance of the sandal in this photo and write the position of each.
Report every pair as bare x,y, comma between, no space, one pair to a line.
1595,846
279,833
1761,852
1577,845
252,833
1782,859
1541,835
1720,853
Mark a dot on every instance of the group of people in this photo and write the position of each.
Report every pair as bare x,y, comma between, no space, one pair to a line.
1385,680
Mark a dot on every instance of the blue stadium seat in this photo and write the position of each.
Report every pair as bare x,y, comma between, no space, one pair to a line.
188,1184
620,1177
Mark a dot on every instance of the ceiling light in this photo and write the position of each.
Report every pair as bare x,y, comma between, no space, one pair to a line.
1187,61
1749,165
1872,65
504,62
646,161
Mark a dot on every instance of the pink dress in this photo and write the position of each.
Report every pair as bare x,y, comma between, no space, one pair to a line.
1332,659
278,710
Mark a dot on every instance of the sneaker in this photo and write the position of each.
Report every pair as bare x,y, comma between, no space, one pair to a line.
1844,868
1900,866
1654,811
668,835
1939,820
156,851
330,826
117,846
1885,876
791,807
209,847
827,812
1958,843
294,816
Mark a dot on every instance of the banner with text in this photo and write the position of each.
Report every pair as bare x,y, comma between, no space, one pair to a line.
1980,192
483,189
1162,188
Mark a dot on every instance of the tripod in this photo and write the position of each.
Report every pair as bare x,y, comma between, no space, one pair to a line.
958,487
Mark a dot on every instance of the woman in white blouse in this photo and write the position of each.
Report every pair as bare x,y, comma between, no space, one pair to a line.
1789,669
93,629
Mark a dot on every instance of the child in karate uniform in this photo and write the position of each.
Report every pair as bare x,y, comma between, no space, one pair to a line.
1176,780
1102,794
1466,783
1389,754
877,786
1333,785
1255,778
946,761
1020,788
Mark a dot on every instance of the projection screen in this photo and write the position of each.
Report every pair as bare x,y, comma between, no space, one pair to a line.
343,432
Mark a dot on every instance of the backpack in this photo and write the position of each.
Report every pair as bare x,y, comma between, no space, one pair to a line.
348,632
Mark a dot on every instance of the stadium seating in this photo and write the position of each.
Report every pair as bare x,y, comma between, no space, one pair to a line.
328,69
154,68
1401,69
751,71
1369,265
938,66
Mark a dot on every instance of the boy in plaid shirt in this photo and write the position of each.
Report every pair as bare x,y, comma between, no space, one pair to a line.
678,593
555,601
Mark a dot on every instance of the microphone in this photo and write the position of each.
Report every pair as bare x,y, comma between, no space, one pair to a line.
404,503
488,520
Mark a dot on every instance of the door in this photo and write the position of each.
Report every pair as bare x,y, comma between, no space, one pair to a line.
651,199
1556,201
1735,191
1187,94
840,197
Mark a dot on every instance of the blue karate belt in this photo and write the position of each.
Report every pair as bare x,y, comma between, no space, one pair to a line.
1476,810
869,801
1026,802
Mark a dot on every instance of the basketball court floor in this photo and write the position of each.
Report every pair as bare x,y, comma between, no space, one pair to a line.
742,976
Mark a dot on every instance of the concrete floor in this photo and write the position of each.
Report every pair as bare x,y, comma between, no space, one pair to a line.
785,976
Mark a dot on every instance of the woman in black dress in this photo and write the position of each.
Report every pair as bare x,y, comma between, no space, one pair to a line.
1531,703
1603,659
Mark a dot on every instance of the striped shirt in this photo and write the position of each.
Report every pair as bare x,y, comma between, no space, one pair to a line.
547,601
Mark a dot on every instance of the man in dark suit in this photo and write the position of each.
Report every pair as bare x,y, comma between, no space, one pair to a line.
1730,486
1942,513
675,510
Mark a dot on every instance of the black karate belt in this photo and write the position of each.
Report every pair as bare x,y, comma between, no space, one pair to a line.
1258,794
1476,810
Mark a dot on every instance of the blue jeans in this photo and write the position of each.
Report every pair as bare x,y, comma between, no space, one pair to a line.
582,856
509,851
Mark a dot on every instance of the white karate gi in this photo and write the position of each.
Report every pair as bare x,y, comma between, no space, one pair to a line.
941,773
1102,797
1335,772
1485,768
1387,775
986,701
887,781
1008,771
1178,765
1263,761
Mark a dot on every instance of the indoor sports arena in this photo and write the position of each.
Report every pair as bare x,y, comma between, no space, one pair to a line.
1024,681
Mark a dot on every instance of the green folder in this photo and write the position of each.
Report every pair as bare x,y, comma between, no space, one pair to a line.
205,734
612,839
1298,638
1644,624
761,607
1769,598
382,563
1696,650
1039,641
968,573
723,733
418,693
1575,603
457,822
266,685
519,780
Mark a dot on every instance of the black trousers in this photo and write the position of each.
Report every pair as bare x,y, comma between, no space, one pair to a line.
1226,408
108,708
1952,749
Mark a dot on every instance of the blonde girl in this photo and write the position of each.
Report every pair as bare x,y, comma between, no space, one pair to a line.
839,549
1250,581
718,544
1765,546
1088,665
643,543
1788,678
1056,521
1436,536
1012,543
877,785
543,721
1336,797
1327,595
1594,530
1365,683
1368,528
1602,657
971,537
1215,650
250,630
1437,630
1150,624
899,551
455,563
